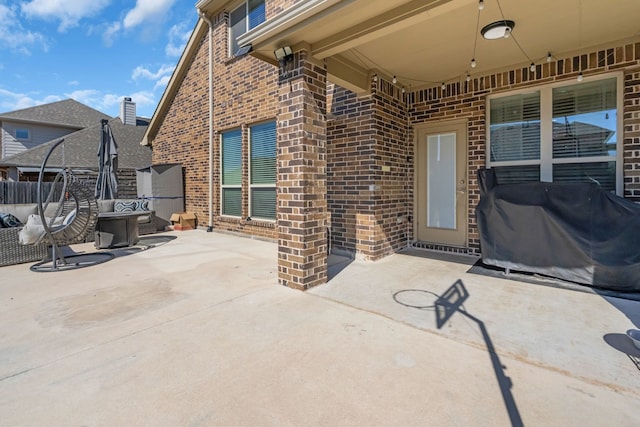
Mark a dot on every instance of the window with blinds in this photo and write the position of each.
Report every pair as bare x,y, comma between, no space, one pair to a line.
515,128
262,171
231,169
558,133
242,19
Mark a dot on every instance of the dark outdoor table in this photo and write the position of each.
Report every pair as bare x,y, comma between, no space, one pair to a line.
117,229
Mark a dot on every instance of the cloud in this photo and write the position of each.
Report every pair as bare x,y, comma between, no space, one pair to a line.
142,72
89,97
178,37
14,36
108,103
111,33
11,101
143,100
147,11
111,102
162,82
69,13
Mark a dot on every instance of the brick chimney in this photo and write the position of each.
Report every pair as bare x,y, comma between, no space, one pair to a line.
128,111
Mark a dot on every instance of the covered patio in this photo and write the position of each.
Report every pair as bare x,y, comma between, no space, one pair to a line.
421,71
191,329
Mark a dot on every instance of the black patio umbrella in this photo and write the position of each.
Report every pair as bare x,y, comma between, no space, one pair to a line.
107,183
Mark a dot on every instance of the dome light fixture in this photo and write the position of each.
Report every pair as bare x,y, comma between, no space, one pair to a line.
498,29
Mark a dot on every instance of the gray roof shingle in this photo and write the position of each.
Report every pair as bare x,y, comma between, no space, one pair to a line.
68,113
81,148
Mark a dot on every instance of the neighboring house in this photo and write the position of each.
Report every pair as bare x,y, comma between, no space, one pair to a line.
366,122
23,129
80,152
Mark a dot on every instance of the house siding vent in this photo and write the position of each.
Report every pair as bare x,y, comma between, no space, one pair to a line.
128,112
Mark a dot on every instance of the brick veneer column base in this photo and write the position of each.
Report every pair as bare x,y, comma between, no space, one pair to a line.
302,181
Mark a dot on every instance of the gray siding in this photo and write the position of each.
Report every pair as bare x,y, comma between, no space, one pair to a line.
39,134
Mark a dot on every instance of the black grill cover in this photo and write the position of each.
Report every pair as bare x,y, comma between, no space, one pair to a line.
572,231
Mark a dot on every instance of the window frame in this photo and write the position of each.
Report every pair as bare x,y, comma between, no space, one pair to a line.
243,4
546,160
224,186
27,130
249,170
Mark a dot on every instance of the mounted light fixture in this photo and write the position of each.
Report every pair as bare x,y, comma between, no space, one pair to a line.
498,29
283,54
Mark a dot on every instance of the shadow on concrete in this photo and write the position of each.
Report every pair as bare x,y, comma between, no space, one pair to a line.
335,264
145,243
622,343
445,306
626,303
439,256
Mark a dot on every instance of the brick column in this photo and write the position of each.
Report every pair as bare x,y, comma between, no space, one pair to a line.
302,180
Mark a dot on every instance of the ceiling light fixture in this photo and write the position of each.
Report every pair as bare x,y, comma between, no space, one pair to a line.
473,63
549,57
480,5
498,29
533,67
395,80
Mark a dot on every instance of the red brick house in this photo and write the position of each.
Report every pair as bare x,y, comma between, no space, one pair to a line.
365,122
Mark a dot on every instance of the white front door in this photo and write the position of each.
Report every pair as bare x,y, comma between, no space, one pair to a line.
441,183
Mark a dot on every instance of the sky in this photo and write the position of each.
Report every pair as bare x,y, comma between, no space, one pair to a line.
93,51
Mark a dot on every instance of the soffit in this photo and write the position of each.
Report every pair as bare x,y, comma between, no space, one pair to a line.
428,42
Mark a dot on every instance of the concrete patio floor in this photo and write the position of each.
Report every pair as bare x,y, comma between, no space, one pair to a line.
196,331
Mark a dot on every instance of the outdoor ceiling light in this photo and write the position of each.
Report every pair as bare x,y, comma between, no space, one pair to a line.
284,53
498,29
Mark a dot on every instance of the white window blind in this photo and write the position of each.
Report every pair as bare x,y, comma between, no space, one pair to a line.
515,128
242,19
232,173
565,133
263,171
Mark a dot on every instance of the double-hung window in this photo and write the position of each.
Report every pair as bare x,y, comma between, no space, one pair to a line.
262,171
242,19
232,173
558,133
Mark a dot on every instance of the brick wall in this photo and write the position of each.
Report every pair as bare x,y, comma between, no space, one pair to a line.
245,92
183,135
467,100
369,182
632,133
302,176
369,140
350,154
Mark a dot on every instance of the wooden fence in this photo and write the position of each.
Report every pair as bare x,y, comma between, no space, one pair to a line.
27,191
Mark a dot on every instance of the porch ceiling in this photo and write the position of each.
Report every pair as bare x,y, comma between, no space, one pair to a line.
428,42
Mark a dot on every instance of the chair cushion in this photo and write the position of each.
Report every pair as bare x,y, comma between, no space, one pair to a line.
130,205
69,218
9,220
20,211
143,219
31,231
105,205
